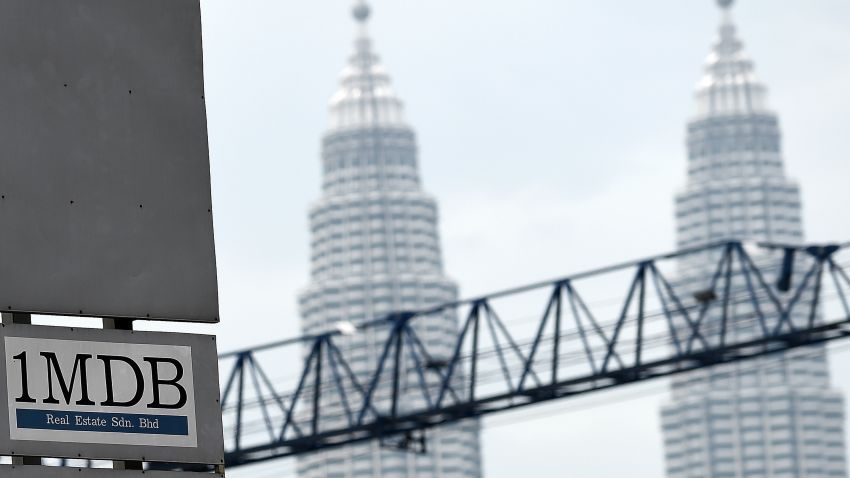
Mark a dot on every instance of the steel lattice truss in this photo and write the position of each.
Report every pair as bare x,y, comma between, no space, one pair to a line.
672,316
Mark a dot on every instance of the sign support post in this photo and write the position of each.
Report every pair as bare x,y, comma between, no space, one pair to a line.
122,324
25,319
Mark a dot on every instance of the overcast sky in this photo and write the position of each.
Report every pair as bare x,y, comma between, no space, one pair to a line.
552,134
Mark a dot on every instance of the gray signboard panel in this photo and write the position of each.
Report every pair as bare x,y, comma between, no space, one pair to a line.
109,394
104,176
63,472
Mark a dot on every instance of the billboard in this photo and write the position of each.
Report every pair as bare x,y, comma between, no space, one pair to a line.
109,394
105,200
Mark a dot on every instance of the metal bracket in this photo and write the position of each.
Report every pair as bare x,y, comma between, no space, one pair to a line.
413,441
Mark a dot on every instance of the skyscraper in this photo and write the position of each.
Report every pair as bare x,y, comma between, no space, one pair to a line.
376,250
770,417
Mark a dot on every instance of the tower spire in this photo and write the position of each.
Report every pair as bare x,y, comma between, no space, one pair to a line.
729,84
726,8
361,11
365,98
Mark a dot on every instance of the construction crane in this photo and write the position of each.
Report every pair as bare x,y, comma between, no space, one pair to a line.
674,315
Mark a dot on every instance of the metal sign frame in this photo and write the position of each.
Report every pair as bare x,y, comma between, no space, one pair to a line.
209,449
105,197
23,471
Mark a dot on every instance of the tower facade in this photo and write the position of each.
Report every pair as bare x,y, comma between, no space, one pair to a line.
376,250
770,417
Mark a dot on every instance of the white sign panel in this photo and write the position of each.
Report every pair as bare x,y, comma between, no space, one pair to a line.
110,394
97,392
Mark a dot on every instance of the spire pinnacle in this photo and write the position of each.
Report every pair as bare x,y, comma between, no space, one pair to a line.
729,85
361,11
365,98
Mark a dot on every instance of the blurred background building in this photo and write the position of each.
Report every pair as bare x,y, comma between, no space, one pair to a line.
777,416
550,131
375,251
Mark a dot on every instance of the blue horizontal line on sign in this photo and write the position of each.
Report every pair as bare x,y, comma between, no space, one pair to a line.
103,422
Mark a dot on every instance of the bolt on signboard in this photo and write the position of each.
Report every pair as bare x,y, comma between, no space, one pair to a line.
105,201
110,394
